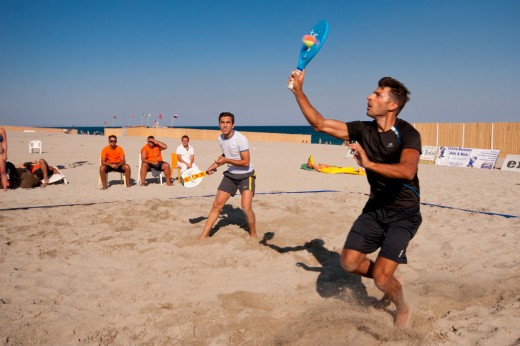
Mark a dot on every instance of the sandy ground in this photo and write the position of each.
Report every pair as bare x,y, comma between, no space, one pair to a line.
83,266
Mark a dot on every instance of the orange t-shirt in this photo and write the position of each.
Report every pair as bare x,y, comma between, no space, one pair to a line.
34,167
112,155
152,154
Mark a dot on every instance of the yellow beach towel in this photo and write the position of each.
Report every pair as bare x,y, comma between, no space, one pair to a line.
333,169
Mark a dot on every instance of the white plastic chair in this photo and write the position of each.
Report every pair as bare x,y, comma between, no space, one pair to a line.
35,144
155,173
122,176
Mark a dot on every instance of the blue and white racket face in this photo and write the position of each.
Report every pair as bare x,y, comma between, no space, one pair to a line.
319,31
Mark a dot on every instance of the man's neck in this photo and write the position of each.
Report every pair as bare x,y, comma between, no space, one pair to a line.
229,135
386,122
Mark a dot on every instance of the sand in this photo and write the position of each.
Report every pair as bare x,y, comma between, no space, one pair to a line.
83,266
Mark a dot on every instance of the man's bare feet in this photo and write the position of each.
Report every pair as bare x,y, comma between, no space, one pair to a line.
144,184
103,188
402,317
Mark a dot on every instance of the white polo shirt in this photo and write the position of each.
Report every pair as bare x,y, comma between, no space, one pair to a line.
185,155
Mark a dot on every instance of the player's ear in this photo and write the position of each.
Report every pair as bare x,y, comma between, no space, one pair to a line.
393,105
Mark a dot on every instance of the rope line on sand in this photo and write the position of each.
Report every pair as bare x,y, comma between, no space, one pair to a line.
508,216
266,193
470,211
423,203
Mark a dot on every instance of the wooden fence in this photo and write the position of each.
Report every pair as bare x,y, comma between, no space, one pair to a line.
200,134
500,136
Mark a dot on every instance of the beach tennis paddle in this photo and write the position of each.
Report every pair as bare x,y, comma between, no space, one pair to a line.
312,43
192,177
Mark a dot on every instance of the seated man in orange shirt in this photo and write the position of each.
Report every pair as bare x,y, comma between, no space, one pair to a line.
41,170
113,159
152,159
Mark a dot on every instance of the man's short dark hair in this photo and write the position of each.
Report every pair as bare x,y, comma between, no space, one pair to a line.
227,114
151,137
185,136
397,90
112,136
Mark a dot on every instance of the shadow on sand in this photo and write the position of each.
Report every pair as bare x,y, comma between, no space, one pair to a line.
228,216
332,281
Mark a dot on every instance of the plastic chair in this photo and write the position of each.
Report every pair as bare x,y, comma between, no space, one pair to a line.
175,165
122,176
35,144
155,173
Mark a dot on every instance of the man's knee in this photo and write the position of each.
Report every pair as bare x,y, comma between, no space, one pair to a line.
349,262
247,207
381,280
218,205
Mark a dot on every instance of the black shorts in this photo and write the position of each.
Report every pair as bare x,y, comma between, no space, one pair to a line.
118,169
233,182
39,173
157,167
388,229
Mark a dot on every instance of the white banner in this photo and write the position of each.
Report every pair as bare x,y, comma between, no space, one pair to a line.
511,163
467,157
428,153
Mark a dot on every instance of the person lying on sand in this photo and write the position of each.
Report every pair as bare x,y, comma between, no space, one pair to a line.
317,167
41,170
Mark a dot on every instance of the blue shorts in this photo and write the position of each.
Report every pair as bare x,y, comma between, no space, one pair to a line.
385,228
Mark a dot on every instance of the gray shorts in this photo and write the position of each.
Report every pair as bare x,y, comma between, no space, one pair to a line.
233,182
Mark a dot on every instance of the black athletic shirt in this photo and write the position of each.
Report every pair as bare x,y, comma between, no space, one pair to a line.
386,147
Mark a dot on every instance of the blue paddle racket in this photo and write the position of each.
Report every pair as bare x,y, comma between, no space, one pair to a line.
312,43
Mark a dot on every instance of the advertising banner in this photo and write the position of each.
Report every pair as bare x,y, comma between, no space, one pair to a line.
511,163
467,157
428,153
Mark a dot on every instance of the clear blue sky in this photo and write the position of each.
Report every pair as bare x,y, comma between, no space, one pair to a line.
72,62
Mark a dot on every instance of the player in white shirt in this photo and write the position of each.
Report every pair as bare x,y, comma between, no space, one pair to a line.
239,176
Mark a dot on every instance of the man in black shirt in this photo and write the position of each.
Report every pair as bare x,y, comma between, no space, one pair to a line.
389,149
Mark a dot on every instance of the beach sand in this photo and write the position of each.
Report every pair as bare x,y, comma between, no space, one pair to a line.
83,266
